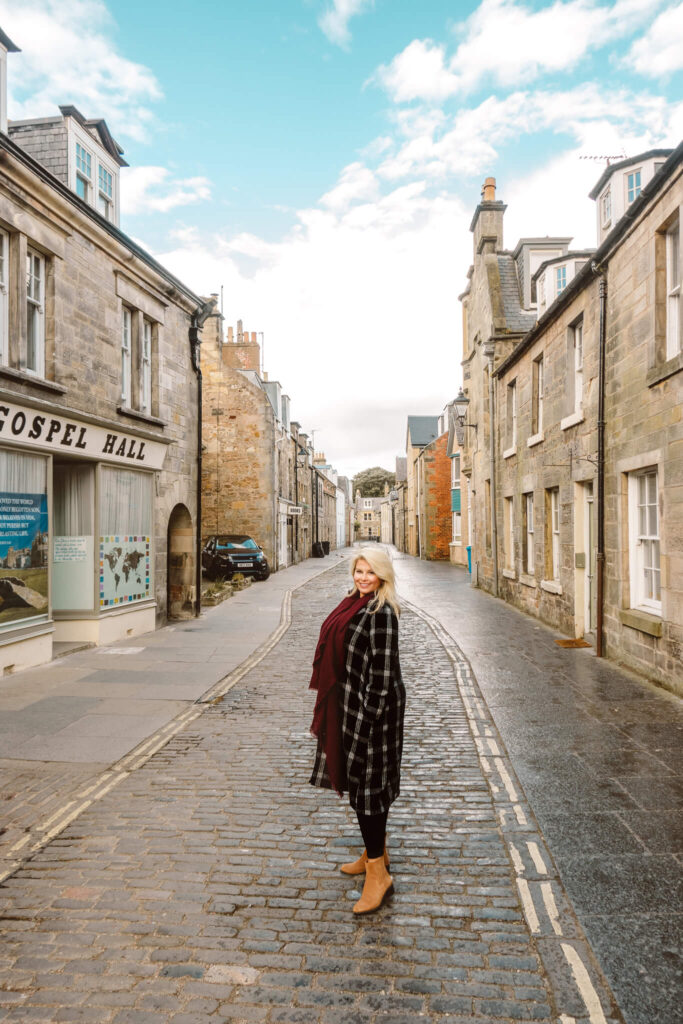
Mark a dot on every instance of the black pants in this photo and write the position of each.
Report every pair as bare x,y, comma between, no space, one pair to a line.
373,828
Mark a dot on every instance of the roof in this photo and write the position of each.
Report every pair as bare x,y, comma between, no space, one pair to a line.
517,319
611,168
573,254
100,126
422,430
8,44
601,254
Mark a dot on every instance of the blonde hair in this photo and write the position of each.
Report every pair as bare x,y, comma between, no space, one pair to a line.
381,564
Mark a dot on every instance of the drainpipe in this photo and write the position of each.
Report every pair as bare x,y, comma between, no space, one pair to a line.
197,321
600,554
488,354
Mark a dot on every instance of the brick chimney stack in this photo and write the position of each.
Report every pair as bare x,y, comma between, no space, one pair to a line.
487,223
242,352
488,190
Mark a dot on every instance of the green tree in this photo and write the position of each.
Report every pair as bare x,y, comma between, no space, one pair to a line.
370,482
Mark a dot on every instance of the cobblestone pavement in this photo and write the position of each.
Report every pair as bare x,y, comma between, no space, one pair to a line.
205,886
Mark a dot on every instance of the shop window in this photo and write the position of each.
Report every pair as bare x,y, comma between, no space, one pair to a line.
24,541
4,297
125,537
73,546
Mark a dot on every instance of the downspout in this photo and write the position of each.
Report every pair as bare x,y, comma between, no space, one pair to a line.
195,344
488,353
600,554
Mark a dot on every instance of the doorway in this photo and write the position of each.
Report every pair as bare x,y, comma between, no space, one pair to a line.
180,570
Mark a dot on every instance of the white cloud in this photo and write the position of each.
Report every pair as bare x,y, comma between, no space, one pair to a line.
152,189
660,50
68,57
509,44
335,21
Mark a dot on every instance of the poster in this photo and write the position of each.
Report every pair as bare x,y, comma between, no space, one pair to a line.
23,556
70,549
124,570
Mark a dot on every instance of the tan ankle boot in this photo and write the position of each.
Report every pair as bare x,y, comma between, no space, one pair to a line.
357,867
378,884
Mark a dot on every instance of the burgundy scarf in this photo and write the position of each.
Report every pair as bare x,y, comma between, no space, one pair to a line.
328,669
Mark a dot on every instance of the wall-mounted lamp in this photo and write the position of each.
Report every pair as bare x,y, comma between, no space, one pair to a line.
460,405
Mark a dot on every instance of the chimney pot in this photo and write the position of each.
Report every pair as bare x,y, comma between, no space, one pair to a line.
488,191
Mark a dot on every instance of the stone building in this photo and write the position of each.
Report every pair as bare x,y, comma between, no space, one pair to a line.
433,473
421,430
98,410
461,540
563,506
368,518
257,466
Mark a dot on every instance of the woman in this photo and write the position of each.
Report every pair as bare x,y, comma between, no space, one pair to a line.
358,718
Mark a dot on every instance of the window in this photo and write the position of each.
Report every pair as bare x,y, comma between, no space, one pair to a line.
35,313
553,534
576,335
457,527
367,503
560,279
508,535
146,368
24,542
606,208
105,192
633,185
4,297
537,396
125,536
487,507
367,516
83,172
643,496
528,534
455,471
511,415
125,357
673,291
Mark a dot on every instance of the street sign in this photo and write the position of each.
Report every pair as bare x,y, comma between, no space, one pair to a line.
295,510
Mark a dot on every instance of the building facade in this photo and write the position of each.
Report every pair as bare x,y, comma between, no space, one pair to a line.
98,411
421,431
368,518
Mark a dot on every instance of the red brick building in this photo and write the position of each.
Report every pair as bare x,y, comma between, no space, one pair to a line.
433,469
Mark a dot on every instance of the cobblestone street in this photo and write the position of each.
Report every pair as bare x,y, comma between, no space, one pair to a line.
205,886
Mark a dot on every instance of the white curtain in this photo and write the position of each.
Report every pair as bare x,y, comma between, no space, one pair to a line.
22,474
74,500
125,502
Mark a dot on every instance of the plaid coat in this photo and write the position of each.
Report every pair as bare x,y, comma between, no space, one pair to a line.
372,698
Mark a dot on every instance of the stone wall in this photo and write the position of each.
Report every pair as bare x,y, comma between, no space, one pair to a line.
435,499
46,142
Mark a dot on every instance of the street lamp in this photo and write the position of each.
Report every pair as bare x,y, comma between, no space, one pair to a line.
460,403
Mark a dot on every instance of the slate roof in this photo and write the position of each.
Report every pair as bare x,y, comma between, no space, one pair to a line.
422,430
517,319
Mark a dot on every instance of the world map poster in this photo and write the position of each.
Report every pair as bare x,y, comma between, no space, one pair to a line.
124,570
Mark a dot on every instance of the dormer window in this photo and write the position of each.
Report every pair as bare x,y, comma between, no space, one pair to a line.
560,279
633,187
606,208
83,172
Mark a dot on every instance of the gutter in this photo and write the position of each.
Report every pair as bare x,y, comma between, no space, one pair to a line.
600,553
197,321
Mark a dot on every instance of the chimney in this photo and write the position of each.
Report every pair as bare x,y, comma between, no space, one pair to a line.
243,352
488,190
240,333
487,223
6,46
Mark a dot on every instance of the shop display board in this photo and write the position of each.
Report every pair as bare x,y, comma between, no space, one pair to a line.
23,556
124,570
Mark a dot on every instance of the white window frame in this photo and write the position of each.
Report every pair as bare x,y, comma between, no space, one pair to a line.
537,413
126,348
4,297
529,527
635,187
644,540
35,305
577,349
455,472
673,290
509,534
83,174
146,367
555,532
457,527
560,279
606,207
105,198
367,502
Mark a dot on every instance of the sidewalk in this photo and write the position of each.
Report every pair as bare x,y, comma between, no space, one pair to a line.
66,724
599,754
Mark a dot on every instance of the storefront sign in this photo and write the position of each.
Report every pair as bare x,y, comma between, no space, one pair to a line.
70,549
124,570
23,555
61,434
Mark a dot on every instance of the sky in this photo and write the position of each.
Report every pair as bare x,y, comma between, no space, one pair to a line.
319,161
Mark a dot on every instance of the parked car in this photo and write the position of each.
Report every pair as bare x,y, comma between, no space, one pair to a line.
225,554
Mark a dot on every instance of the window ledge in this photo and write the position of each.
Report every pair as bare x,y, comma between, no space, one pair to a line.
535,439
551,586
646,622
663,370
528,581
455,544
28,378
572,420
134,414
509,452
509,574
